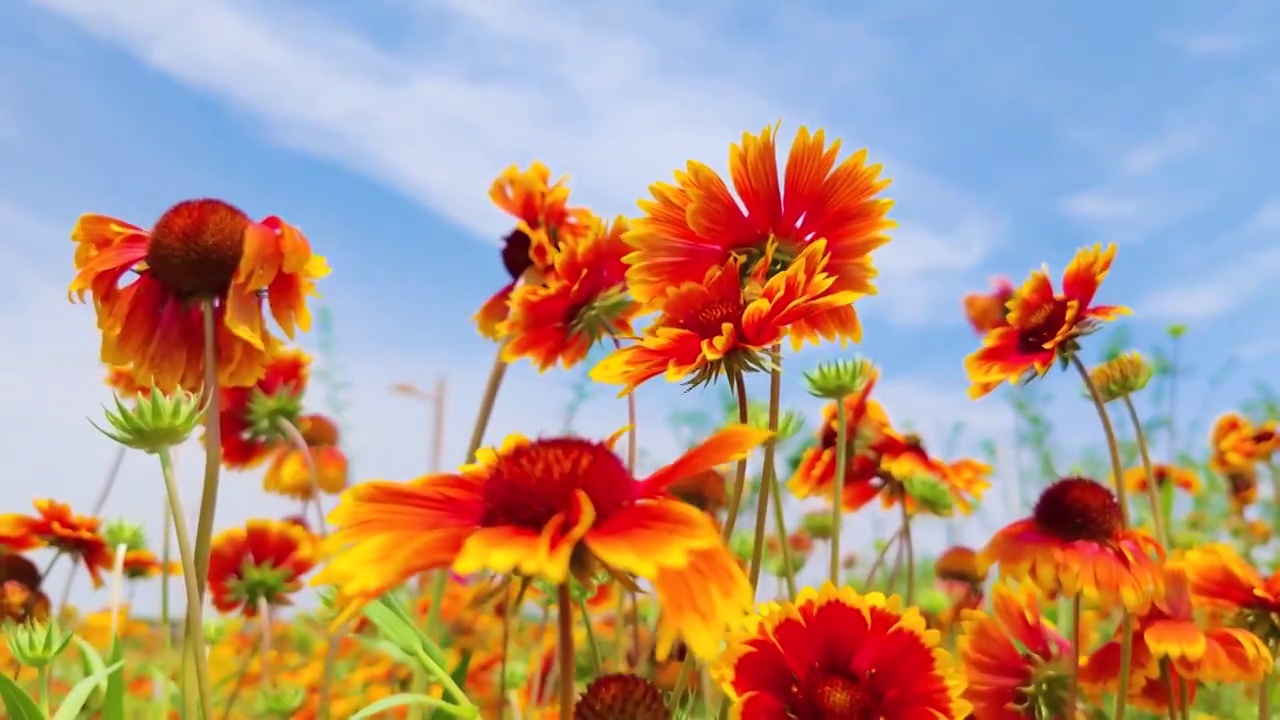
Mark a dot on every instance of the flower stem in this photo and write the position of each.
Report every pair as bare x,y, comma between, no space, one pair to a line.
880,558
110,483
837,495
166,619
487,401
1153,492
1264,697
740,473
291,431
1074,693
565,647
508,609
43,676
909,548
768,473
780,520
593,645
212,454
1113,448
203,700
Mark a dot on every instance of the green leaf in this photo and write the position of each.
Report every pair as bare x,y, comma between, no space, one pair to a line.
17,703
407,699
459,676
113,705
79,695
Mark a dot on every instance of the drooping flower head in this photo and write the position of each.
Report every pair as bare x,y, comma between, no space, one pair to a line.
56,526
1168,631
721,326
961,578
549,509
263,560
290,471
1043,325
249,416
544,223
1075,543
198,251
1237,445
694,227
582,300
1016,663
988,311
1220,578
834,653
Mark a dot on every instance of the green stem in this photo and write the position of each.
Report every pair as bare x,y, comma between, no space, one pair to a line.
596,661
1153,492
203,701
780,520
740,473
769,476
42,677
433,668
299,442
1264,698
908,548
1074,693
837,497
212,454
166,617
1113,446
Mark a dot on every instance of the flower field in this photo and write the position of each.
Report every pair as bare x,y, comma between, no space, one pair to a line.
550,576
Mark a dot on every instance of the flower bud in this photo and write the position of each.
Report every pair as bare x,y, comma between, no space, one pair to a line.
1122,375
155,422
280,702
839,378
36,644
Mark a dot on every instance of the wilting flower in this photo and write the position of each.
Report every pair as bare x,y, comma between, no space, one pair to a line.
1075,543
544,221
837,654
54,525
289,473
1219,577
582,300
249,416
21,597
1043,325
198,251
1135,478
549,509
1237,445
989,311
1016,663
716,326
263,560
621,697
694,227
1168,631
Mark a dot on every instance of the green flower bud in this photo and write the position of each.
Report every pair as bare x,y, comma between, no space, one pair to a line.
36,644
818,524
156,422
123,532
790,423
839,378
933,601
1120,376
932,496
215,630
280,702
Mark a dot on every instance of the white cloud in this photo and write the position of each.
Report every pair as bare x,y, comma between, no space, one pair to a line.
592,92
1219,292
1214,44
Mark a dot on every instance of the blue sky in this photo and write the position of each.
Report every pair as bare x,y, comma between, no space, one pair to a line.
1014,133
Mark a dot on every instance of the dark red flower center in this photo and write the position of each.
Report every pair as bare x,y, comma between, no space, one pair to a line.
837,697
621,697
515,253
1075,509
532,483
709,319
196,246
1042,327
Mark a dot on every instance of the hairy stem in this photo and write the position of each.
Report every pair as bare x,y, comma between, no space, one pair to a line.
769,474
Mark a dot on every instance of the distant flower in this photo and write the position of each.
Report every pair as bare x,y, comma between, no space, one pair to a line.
1221,579
989,311
1186,480
289,473
54,525
249,415
1043,325
199,250
263,560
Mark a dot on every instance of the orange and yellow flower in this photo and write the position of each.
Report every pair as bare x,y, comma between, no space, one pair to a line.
290,471
142,563
834,653
1221,579
717,326
262,561
200,251
694,227
582,300
1237,444
1186,480
904,456
1075,543
544,223
1014,660
243,410
549,508
56,526
989,311
1043,325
